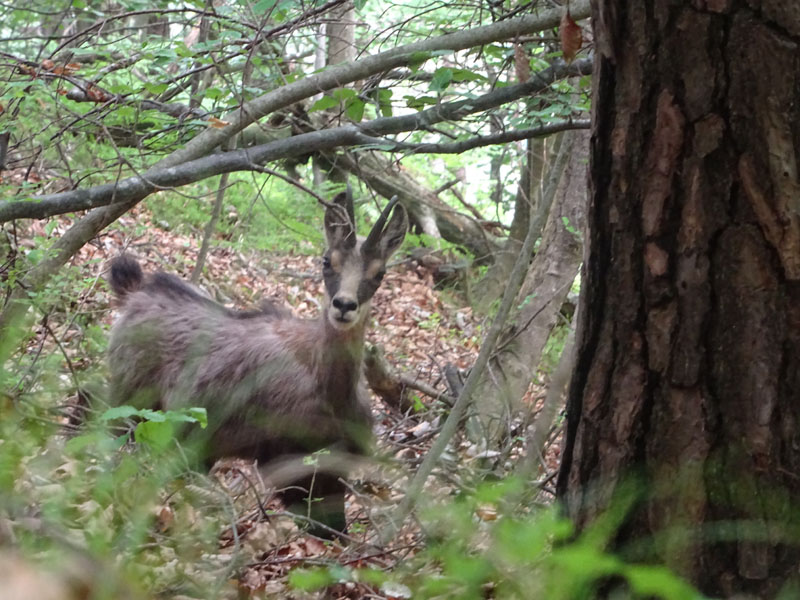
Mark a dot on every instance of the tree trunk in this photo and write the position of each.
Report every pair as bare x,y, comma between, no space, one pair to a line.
551,273
341,31
528,198
687,379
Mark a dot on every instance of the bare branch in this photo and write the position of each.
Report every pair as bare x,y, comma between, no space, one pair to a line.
133,189
477,141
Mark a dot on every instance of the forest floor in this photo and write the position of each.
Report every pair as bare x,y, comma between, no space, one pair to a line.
421,331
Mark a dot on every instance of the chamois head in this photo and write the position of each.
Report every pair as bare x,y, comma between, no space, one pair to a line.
352,269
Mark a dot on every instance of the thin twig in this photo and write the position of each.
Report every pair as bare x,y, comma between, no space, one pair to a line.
465,398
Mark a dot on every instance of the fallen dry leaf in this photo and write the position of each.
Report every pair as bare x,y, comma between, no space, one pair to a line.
571,37
217,123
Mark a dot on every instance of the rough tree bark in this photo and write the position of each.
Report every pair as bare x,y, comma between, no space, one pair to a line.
547,283
687,379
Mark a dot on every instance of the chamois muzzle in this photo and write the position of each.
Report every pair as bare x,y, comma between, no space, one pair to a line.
344,309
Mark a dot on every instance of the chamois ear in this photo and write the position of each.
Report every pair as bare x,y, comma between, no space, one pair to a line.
394,233
340,221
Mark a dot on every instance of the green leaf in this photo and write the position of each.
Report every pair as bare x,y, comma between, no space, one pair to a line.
153,415
310,580
190,415
313,459
354,109
155,88
494,51
441,79
157,435
370,575
182,51
85,440
324,103
340,574
119,88
200,416
262,7
466,75
126,112
35,255
213,93
420,102
385,101
526,300
569,227
417,59
119,412
344,94
654,581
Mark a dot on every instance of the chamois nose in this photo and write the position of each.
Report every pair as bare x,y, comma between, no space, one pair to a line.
344,305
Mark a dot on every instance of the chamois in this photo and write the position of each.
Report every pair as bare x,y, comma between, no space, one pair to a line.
273,385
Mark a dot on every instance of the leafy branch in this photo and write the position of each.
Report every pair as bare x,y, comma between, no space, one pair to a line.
137,187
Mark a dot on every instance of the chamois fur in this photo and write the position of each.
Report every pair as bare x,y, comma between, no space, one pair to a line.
273,385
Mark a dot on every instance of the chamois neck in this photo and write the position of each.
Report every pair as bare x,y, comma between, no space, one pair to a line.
342,355
349,341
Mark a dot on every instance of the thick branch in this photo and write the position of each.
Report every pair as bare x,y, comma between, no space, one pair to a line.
455,111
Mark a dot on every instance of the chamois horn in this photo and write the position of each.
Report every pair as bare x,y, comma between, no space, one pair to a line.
377,229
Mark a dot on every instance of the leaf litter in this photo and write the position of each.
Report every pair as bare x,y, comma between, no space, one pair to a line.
420,334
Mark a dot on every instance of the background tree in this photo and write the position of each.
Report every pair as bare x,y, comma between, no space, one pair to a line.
689,339
541,297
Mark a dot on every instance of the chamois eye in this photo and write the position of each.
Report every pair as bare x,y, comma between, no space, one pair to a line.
326,262
379,275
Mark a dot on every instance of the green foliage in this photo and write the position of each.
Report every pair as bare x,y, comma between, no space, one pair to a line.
569,227
87,505
310,580
260,213
156,428
478,545
441,79
434,321
98,503
346,98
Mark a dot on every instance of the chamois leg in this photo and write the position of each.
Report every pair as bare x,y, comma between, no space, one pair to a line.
320,497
